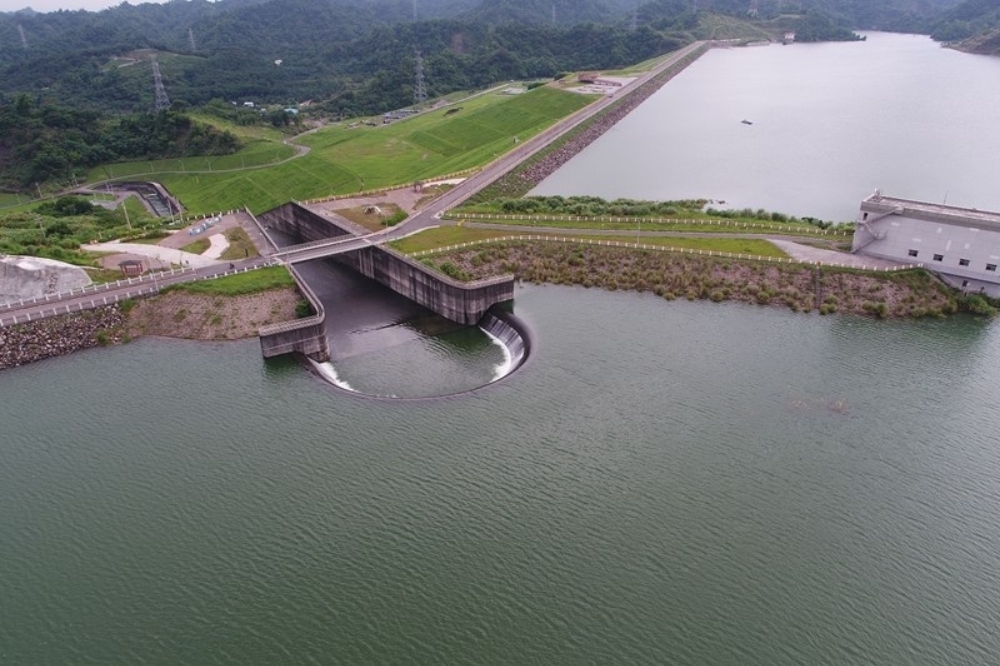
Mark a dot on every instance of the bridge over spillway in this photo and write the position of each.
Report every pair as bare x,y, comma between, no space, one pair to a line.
367,253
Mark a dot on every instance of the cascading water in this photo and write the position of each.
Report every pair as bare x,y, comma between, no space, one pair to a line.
506,334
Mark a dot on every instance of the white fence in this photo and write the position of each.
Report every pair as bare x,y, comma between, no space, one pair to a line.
636,223
109,293
661,248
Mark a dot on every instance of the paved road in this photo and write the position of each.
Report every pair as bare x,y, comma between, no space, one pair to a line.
172,255
430,216
112,292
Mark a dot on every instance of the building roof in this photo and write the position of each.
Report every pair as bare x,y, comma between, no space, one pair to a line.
931,212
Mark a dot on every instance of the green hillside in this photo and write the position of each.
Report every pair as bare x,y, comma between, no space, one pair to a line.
344,159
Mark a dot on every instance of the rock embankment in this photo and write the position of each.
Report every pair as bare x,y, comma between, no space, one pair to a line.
175,314
524,179
65,334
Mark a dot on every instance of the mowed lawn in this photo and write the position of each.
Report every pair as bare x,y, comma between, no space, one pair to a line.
344,160
255,152
441,237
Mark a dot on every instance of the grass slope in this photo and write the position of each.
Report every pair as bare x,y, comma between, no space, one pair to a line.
252,282
346,159
441,237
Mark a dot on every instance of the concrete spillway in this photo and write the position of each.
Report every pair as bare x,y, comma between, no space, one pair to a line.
511,334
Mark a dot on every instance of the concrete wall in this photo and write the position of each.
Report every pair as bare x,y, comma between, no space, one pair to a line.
300,223
306,336
968,255
460,302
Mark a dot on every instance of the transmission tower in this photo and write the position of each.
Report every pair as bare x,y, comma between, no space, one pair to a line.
191,40
414,10
752,12
162,102
553,14
24,38
419,86
635,18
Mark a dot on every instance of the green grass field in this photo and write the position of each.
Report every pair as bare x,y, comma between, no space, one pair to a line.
439,237
733,226
258,152
252,282
344,160
11,200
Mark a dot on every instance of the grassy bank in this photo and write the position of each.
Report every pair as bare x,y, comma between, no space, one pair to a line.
799,287
346,159
440,237
242,284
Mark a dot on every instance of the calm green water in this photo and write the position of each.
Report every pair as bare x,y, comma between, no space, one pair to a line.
662,484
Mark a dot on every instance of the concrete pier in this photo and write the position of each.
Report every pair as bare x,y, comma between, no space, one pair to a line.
306,336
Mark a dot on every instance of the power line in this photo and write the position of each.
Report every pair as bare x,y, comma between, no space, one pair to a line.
419,86
162,101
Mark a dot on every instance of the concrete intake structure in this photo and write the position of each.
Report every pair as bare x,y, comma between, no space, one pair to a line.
463,303
962,245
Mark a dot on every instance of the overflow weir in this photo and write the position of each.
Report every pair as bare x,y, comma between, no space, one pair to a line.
468,304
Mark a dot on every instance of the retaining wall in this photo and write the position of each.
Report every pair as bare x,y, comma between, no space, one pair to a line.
464,303
461,302
306,336
301,223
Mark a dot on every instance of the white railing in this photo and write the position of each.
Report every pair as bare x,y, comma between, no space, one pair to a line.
635,223
660,248
147,285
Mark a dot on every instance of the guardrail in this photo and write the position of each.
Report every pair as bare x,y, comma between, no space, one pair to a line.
147,285
659,248
612,219
95,288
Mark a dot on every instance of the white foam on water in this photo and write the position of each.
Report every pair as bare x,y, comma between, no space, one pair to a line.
329,373
503,368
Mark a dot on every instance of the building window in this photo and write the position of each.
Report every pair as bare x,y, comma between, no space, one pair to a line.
913,253
992,268
963,262
938,257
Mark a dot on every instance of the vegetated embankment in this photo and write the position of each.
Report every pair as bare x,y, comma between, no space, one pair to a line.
800,287
522,179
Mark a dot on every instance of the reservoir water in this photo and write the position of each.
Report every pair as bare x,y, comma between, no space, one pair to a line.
831,123
665,483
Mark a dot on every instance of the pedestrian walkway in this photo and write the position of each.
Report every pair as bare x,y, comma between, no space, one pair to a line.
815,255
170,255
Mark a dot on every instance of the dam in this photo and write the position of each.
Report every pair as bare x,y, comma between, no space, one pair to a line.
387,325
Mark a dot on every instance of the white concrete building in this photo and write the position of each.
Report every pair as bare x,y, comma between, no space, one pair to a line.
962,245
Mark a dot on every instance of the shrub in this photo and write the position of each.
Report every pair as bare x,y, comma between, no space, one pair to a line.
976,304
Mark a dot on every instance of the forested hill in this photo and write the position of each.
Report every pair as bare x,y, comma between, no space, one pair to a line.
972,26
358,56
